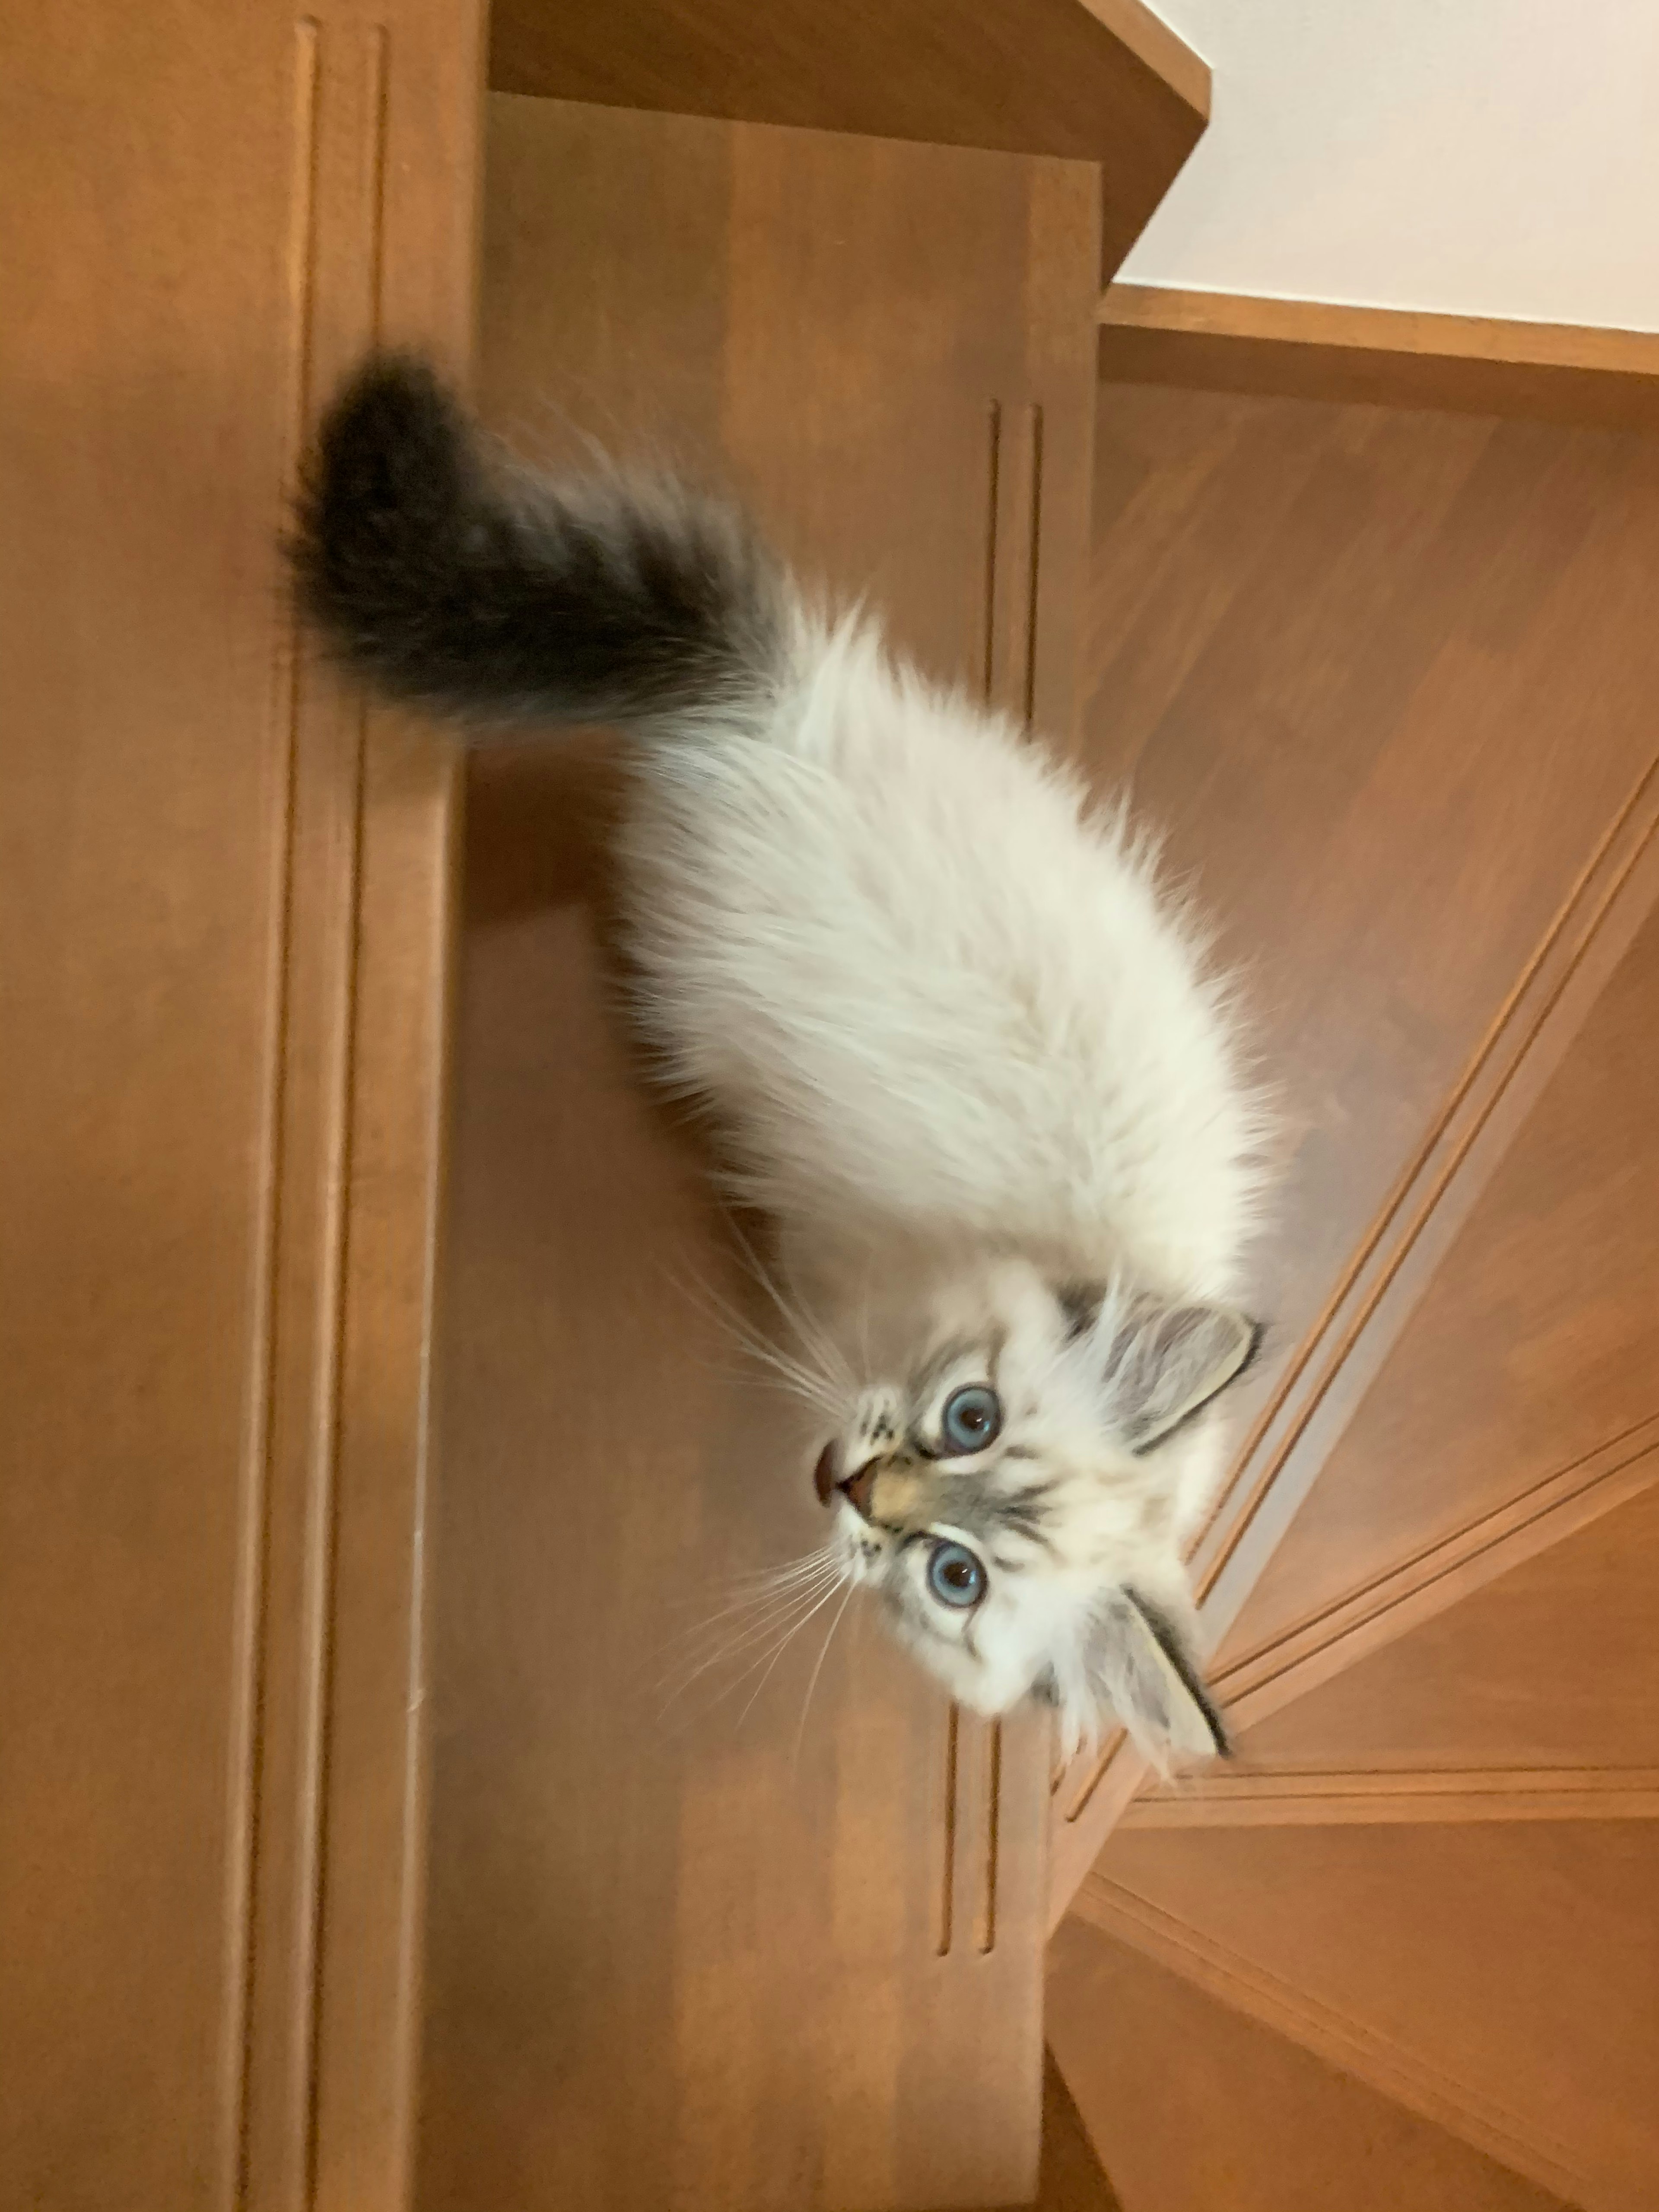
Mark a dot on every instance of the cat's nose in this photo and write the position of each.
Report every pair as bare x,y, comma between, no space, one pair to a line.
824,1475
857,1488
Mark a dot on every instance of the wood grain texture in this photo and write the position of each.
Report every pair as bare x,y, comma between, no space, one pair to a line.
1489,1109
1308,348
1106,81
223,922
1198,2104
1550,1665
1498,1979
1381,1606
1432,1579
1523,1389
1383,676
755,1936
1071,2178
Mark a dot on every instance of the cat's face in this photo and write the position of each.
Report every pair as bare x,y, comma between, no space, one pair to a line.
1009,1481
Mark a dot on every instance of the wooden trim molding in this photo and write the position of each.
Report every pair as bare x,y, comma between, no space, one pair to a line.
385,167
1151,39
1276,1673
1345,1352
1379,330
1517,2142
1381,1797
1100,81
1311,349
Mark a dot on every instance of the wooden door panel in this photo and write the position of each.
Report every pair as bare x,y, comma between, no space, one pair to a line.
747,1938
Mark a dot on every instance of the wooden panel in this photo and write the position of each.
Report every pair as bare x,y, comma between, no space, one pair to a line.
758,1937
1221,342
1105,82
1535,1348
1500,1979
1197,2105
1384,676
222,917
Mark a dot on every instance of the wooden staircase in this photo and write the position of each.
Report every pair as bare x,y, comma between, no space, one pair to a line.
1389,673
383,1825
380,1875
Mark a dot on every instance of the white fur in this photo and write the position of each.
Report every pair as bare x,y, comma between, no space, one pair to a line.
932,993
961,1048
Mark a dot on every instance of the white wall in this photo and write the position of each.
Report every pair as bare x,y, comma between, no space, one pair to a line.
1480,157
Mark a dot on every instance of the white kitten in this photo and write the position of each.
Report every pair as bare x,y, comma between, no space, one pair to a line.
957,1047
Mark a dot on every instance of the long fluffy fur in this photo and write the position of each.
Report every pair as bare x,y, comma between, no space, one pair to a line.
943,1012
450,576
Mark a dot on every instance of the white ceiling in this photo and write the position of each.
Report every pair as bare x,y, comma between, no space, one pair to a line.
1480,157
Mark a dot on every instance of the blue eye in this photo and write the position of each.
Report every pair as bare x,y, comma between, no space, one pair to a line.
954,1575
971,1420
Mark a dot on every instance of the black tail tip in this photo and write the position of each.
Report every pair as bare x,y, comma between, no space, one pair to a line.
388,423
391,461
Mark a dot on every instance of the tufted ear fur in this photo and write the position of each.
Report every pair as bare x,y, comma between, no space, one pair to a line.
1159,1362
1143,1665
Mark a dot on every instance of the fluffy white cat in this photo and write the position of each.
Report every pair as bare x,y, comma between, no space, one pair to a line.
958,1048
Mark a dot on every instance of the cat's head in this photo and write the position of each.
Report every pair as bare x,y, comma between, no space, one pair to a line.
1012,1478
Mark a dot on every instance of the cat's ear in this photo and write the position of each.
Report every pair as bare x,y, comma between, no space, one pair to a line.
1143,1663
1161,1363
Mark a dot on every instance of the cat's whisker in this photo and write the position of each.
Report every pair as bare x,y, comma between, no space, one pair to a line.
814,1340
776,1635
778,1609
802,1388
816,1385
806,1702
788,1639
751,1611
824,1552
746,1591
729,1602
678,1692
743,1375
800,1383
765,1579
754,1604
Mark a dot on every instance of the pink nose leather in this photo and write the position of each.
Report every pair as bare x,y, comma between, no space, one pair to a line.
857,1488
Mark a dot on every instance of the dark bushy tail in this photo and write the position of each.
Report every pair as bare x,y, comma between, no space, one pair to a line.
449,576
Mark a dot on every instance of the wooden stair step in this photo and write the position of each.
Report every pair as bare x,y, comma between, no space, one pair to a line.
714,1930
